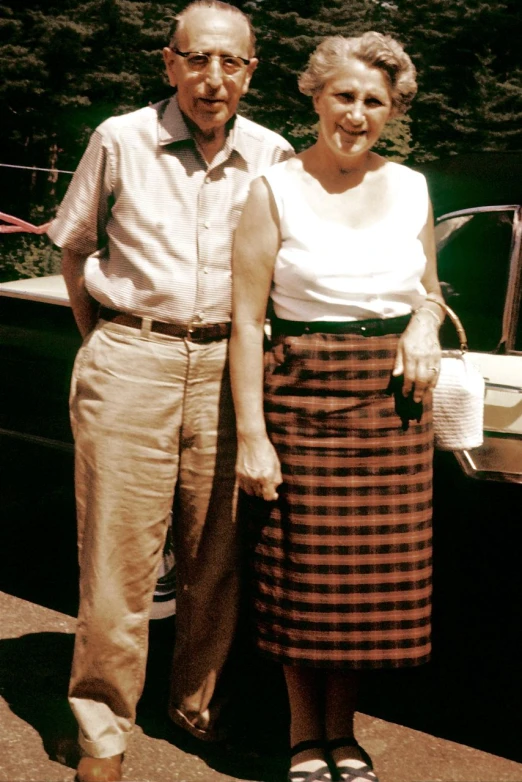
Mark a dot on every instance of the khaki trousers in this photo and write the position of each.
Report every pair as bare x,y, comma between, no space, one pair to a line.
152,415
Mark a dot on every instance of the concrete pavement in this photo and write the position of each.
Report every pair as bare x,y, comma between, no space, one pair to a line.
37,730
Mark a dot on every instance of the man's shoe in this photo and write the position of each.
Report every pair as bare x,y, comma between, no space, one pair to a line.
99,769
203,732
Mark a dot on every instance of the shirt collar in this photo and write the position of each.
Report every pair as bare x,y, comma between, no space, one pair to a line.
172,128
171,124
239,141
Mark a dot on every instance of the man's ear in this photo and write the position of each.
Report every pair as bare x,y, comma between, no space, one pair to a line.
252,65
169,58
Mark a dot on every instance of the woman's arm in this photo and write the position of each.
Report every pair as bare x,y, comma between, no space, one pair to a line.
256,245
418,354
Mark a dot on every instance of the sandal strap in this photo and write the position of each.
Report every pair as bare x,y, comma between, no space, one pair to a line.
301,746
322,774
350,773
350,741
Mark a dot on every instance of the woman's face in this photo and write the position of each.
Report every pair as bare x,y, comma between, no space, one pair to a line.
353,107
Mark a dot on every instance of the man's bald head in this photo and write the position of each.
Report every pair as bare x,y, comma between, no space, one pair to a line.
202,5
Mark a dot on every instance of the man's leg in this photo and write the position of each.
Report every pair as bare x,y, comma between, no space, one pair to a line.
206,539
126,410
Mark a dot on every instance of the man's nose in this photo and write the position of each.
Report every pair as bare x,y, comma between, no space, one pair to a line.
214,74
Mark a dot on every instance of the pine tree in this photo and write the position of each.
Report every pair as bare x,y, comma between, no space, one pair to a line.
288,32
64,67
469,58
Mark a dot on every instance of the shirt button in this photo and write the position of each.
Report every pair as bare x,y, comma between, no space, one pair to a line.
206,224
208,180
205,270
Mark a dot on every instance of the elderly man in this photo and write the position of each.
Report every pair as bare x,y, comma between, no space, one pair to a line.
146,230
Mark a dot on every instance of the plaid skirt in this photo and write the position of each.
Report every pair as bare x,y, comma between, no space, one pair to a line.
342,561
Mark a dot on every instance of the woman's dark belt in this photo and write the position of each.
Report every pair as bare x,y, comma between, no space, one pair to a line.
209,332
375,327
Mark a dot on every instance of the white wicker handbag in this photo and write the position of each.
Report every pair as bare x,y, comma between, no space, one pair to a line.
458,397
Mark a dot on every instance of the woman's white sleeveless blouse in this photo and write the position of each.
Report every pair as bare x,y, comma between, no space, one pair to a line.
328,271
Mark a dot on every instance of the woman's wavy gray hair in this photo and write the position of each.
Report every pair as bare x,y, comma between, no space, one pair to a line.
374,49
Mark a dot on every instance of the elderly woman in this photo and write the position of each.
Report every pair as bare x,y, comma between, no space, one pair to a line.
339,447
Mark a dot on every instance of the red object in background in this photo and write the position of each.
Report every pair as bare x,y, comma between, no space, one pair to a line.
20,226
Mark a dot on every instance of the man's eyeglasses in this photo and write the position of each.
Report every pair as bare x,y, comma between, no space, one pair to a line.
199,61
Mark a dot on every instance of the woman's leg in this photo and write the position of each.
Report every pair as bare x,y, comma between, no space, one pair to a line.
341,696
306,696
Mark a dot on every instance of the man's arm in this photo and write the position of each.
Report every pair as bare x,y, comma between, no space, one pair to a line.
80,224
84,307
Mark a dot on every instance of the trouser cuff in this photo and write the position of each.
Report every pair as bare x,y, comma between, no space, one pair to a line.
104,748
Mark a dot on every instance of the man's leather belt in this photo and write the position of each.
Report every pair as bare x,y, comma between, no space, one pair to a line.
209,332
374,327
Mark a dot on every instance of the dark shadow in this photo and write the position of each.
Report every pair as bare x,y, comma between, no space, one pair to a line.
256,718
471,693
34,674
38,555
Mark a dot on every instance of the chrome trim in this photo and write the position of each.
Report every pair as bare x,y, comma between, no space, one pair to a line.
44,298
467,460
514,288
475,210
503,387
48,442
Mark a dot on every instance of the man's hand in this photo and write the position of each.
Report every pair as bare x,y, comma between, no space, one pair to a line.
258,469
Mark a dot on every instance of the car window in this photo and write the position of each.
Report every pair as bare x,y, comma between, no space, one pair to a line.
473,250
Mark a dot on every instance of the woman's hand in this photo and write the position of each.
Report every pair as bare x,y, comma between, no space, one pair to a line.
418,355
257,468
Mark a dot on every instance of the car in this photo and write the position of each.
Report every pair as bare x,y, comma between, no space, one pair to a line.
477,202
38,344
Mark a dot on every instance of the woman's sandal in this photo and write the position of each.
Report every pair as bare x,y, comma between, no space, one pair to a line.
349,773
322,774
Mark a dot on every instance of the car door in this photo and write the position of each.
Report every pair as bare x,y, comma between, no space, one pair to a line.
479,262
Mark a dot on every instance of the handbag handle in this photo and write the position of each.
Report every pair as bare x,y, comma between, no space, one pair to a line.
463,340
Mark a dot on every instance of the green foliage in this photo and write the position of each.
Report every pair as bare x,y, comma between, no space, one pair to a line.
395,142
468,56
27,256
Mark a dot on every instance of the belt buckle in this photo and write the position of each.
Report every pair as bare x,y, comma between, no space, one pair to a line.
191,329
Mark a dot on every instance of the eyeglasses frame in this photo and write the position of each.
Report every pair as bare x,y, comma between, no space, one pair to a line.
245,62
